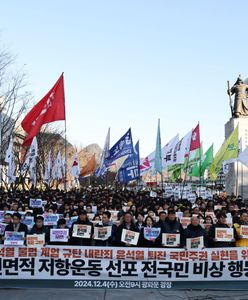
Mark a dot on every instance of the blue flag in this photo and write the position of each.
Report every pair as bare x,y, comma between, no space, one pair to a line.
122,148
105,153
130,169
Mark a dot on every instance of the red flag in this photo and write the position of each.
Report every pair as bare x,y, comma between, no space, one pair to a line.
195,138
50,108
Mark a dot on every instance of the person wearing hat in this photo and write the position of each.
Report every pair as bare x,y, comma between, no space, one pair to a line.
221,223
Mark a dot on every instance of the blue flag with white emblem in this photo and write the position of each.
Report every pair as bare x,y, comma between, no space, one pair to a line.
122,148
130,169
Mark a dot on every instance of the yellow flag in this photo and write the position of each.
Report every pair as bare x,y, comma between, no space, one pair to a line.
228,150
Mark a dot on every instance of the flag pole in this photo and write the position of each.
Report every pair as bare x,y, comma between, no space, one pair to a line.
237,178
65,187
242,181
200,170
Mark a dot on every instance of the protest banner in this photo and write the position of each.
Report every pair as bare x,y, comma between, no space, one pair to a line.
168,191
81,231
35,240
179,214
153,194
2,213
151,233
91,216
14,238
171,239
114,215
224,234
195,243
191,197
102,233
130,237
2,228
185,221
35,203
244,231
70,221
121,267
29,221
50,219
59,235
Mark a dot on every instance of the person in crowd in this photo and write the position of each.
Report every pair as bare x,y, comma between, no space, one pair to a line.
39,228
171,225
106,221
127,222
243,221
161,224
16,224
61,224
140,222
7,218
82,220
143,242
212,237
193,230
208,222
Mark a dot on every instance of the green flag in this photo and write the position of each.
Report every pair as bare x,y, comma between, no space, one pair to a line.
205,161
158,154
228,150
194,156
175,172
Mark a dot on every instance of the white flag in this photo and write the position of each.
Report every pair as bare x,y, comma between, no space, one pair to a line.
9,158
47,175
25,165
181,149
57,167
167,151
33,153
75,170
32,171
33,150
31,158
147,163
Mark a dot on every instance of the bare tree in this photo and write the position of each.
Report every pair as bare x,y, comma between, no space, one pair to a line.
14,100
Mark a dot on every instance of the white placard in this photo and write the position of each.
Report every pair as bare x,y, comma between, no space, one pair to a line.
130,237
14,238
102,233
195,243
35,203
170,239
35,240
81,231
185,221
59,235
224,234
244,231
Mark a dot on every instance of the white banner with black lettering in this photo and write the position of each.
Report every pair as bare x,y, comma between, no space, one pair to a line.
123,264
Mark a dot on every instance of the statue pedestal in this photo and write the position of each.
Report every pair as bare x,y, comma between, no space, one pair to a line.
237,177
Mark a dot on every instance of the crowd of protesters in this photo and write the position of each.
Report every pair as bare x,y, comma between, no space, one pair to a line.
134,210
